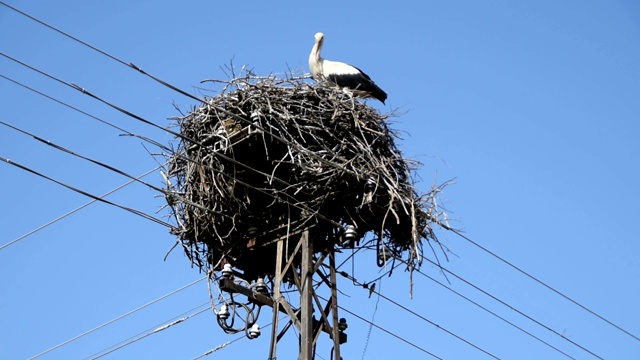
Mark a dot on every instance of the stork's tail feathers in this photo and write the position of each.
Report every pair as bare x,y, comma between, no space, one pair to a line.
378,93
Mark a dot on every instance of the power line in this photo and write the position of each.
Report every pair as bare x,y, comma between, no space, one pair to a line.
130,65
74,210
511,307
126,132
154,330
367,286
355,281
163,326
106,166
86,92
385,330
62,32
131,210
496,315
116,319
221,346
166,193
549,287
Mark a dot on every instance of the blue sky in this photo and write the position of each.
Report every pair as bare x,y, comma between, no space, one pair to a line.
531,106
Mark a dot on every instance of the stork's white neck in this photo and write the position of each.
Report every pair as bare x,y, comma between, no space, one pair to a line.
316,61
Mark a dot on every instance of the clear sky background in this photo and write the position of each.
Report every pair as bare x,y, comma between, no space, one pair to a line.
533,107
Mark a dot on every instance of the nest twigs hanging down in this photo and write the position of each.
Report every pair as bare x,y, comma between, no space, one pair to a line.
267,151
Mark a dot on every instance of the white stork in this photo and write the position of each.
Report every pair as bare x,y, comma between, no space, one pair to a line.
341,74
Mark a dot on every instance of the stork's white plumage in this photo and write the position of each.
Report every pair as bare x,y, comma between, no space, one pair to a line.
341,74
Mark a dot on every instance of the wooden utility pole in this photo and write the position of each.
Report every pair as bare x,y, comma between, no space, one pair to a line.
276,298
335,334
306,296
302,318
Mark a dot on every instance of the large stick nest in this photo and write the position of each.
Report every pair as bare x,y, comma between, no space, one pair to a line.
268,157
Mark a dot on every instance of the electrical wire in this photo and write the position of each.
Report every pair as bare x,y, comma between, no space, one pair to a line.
62,32
367,286
129,65
164,192
74,210
510,307
221,346
549,287
480,306
436,325
124,132
82,192
163,326
151,331
385,330
106,166
86,92
496,315
372,290
117,318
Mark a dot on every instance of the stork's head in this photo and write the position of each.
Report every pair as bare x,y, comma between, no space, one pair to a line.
319,37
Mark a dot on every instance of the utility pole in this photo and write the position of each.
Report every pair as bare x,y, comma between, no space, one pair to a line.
277,298
334,307
302,318
306,291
